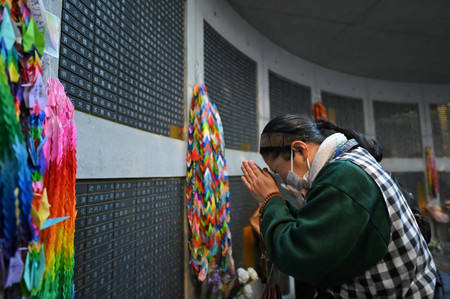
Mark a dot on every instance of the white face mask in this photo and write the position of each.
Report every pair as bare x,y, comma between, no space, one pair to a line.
294,180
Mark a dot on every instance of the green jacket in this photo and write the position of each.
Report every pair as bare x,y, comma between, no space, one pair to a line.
342,231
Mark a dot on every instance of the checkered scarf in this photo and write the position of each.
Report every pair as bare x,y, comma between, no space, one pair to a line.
407,270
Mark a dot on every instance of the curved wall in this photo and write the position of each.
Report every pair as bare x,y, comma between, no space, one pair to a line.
269,56
109,150
97,147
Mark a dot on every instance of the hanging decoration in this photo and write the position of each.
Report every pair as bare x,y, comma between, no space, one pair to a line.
31,117
25,208
59,181
432,178
208,200
319,112
15,188
19,182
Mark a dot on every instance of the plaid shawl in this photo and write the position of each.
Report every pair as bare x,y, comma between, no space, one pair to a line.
407,270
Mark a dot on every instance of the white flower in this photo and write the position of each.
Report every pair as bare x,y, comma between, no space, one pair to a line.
247,290
242,275
252,273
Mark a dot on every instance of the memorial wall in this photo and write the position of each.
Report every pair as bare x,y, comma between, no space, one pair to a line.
134,64
123,61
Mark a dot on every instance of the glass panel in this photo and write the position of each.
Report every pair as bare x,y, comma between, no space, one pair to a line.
230,77
347,112
440,124
287,97
397,128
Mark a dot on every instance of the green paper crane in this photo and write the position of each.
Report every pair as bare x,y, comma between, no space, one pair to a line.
33,36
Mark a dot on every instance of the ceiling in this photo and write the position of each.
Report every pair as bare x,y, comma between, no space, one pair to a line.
404,40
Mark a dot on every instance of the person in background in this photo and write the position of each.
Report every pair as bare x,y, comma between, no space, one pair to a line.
355,237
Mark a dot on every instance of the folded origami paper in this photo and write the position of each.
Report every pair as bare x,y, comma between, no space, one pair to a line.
34,268
33,38
37,161
207,198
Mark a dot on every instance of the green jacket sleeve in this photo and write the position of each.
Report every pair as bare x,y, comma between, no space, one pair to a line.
342,230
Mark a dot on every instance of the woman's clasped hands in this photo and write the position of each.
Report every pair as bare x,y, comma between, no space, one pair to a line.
259,181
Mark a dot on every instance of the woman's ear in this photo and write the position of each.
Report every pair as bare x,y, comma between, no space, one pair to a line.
300,147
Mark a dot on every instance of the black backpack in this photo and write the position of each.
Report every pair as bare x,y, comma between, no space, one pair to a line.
422,221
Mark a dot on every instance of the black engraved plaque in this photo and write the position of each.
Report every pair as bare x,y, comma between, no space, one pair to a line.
129,233
124,61
230,78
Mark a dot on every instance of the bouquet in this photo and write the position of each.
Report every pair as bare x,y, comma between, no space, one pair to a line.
242,285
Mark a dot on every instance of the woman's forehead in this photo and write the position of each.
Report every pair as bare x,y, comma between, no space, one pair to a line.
275,164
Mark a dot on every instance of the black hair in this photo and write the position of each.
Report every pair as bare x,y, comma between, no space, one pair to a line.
308,131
